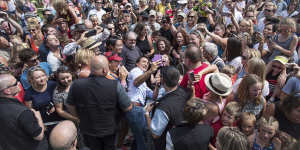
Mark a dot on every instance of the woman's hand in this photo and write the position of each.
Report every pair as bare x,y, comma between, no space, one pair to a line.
123,73
277,143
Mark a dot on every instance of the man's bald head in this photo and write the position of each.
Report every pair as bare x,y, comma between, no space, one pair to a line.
7,87
99,65
5,80
63,136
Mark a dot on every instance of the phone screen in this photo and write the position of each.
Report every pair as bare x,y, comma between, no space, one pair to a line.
156,57
183,48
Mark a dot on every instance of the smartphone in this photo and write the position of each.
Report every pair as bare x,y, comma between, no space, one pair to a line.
91,33
156,57
192,76
183,48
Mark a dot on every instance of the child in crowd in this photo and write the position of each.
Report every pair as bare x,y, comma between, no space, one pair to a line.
247,123
266,137
228,118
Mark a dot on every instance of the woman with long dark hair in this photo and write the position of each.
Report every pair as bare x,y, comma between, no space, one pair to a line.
143,40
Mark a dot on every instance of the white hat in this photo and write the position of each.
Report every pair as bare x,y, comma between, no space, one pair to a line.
182,1
128,4
152,13
219,83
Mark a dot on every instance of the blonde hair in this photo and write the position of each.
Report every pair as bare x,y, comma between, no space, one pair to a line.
246,116
243,90
268,122
230,138
253,53
83,57
256,66
195,15
233,108
288,22
30,74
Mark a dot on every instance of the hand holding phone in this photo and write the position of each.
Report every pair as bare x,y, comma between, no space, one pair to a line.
192,76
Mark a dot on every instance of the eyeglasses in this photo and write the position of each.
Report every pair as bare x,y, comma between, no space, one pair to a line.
35,59
15,84
110,29
191,16
31,30
268,10
132,40
35,68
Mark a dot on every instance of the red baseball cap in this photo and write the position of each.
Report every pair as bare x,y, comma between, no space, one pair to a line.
113,57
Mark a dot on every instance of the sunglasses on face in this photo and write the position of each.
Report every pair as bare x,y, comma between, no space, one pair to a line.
275,66
15,84
31,30
35,59
268,10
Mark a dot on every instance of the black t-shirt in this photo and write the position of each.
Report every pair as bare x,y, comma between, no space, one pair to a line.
29,124
189,137
167,34
285,125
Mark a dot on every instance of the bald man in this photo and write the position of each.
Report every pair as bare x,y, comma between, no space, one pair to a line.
96,100
20,127
64,136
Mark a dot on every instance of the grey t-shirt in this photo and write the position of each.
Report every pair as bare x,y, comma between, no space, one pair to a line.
292,86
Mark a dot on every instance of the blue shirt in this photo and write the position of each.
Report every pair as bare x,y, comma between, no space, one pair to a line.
24,81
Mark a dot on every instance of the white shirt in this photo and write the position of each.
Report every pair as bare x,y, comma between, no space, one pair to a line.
236,63
53,61
265,47
265,90
261,25
98,13
140,93
237,15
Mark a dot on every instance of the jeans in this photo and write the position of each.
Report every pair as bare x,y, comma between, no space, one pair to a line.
138,125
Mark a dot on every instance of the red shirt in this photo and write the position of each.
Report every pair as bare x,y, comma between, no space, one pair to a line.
200,87
20,95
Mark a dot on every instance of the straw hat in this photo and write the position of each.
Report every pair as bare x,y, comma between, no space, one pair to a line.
219,83
90,43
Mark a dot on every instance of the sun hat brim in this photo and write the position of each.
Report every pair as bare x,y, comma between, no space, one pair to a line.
209,86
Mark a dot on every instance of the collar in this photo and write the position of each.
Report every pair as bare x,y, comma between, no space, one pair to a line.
8,99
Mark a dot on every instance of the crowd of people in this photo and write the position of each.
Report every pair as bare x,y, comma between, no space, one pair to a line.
149,75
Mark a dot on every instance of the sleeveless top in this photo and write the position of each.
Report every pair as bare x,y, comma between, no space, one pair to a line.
257,147
143,45
286,45
253,108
